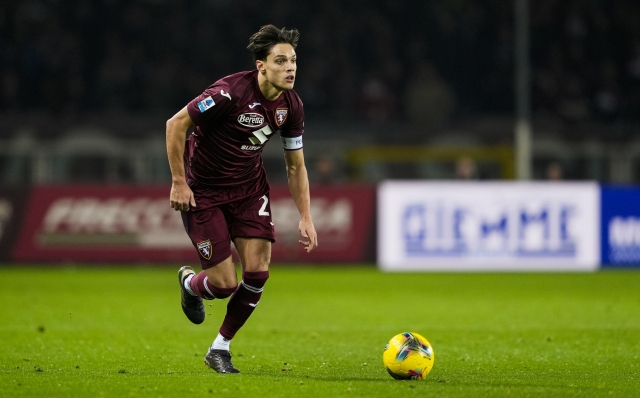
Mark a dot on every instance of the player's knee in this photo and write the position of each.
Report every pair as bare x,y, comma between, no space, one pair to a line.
223,274
259,264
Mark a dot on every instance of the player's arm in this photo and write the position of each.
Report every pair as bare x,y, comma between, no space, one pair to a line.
299,187
181,195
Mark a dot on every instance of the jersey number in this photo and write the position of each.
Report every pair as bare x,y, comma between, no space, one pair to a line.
261,212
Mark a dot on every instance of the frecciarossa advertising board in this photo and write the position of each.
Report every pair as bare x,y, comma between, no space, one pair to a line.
102,224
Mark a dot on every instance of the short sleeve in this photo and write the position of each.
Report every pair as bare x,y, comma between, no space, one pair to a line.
295,125
211,104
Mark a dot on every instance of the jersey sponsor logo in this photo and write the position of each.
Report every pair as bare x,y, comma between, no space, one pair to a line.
250,147
206,104
281,116
254,105
251,119
204,248
261,136
225,94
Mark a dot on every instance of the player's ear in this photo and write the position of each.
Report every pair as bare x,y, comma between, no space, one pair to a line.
260,66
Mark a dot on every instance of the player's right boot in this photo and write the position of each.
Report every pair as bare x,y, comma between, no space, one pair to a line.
220,361
191,305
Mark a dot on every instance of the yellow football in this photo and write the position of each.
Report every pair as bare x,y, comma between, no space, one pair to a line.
408,356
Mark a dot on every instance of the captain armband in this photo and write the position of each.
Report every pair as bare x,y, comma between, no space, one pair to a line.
292,143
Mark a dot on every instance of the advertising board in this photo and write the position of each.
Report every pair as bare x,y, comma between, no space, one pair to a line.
344,217
11,208
620,226
95,223
488,226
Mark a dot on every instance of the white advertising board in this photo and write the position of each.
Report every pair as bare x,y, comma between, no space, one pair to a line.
481,226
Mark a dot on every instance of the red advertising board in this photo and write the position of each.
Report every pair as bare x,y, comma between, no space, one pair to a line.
95,223
344,217
98,223
11,209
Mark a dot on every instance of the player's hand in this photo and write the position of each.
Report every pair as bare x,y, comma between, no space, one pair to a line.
309,234
181,197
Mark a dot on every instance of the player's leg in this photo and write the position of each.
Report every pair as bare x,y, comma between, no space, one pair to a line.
255,255
209,234
252,231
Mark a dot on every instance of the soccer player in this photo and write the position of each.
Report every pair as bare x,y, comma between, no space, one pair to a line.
220,186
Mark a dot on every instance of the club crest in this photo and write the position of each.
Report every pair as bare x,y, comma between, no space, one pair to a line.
281,116
204,248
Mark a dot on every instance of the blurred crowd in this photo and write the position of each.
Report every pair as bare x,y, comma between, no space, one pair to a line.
376,60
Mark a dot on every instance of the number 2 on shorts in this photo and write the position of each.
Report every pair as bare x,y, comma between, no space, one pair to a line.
261,212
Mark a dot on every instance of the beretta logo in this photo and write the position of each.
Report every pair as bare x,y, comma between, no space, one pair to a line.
251,119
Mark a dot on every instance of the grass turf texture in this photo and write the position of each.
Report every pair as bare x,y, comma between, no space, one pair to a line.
320,332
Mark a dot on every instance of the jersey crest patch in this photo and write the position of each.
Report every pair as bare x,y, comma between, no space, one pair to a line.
281,116
204,248
206,104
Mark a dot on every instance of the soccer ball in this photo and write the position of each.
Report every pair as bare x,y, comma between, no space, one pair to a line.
408,356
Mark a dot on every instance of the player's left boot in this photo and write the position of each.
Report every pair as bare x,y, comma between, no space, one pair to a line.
192,306
220,361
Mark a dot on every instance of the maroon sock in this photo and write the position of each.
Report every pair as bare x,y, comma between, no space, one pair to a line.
204,289
243,302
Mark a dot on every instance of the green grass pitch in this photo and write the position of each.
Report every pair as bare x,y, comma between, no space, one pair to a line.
320,332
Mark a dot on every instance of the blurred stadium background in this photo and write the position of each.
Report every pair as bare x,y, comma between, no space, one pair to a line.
392,90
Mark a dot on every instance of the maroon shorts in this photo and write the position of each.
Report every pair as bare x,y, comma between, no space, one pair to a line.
223,214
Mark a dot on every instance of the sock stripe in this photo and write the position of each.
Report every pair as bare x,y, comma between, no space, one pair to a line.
251,288
206,286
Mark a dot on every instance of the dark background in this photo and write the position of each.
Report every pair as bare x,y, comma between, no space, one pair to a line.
370,72
358,59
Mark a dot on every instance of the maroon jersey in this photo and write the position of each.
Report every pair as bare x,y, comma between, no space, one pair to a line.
233,123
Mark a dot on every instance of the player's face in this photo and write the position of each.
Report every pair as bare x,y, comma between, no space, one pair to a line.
280,66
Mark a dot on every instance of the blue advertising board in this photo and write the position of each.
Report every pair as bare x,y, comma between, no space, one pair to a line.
620,226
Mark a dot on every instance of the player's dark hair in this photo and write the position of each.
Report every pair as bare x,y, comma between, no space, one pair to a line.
261,42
